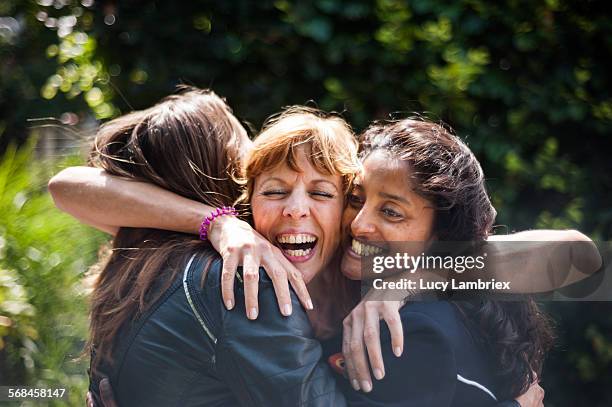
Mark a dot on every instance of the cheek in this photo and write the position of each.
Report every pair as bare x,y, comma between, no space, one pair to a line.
332,223
264,213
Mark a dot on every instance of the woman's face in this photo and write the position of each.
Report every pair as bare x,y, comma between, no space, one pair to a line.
300,213
382,208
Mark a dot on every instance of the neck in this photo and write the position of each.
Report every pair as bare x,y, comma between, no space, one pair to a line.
331,297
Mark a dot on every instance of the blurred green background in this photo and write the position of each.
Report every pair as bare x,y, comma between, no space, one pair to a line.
527,83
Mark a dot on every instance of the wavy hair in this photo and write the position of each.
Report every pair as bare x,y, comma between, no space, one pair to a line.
444,171
190,144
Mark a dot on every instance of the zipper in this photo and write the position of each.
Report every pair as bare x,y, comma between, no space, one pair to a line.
192,305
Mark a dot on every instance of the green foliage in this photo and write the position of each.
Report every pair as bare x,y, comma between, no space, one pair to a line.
527,84
43,255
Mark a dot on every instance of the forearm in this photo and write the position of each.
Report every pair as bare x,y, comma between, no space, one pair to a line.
107,202
541,260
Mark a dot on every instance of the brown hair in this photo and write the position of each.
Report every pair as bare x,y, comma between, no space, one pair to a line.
190,144
445,172
332,145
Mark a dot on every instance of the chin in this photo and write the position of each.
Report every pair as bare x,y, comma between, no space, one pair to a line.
350,268
308,273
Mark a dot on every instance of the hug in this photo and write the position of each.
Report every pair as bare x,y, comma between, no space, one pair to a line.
182,319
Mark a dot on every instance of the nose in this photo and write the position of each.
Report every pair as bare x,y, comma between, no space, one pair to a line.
362,225
297,206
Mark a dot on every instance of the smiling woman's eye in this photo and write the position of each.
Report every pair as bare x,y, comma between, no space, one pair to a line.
272,192
322,194
391,213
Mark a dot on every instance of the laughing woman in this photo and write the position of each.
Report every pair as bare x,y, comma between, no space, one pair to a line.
296,195
422,184
159,329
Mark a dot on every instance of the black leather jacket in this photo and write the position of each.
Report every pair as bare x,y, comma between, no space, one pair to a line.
188,350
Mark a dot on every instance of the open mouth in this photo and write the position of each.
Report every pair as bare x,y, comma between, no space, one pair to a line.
362,249
297,246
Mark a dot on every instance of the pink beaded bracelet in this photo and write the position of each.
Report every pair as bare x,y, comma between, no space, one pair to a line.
225,210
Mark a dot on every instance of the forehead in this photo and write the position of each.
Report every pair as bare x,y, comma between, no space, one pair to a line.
384,171
306,169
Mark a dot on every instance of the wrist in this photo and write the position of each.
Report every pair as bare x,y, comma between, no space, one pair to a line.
215,219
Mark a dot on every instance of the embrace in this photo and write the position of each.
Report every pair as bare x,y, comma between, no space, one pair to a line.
235,266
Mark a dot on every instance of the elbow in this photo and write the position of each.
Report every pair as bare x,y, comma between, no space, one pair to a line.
57,188
585,253
61,187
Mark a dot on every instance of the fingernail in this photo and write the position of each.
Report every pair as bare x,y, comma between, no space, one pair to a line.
309,304
287,310
366,386
378,374
355,384
397,351
253,313
229,304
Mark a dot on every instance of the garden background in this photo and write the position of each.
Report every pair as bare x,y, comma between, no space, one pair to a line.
527,84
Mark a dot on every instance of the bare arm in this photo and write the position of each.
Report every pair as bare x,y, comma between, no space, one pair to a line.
542,260
107,203
533,261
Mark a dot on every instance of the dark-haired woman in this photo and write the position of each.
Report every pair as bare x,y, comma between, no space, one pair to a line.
422,184
247,309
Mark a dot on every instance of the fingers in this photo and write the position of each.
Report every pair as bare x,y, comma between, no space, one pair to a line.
362,369
394,322
295,278
346,351
228,272
106,393
280,282
251,285
371,336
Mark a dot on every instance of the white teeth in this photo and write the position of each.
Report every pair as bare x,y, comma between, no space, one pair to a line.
298,253
364,249
298,238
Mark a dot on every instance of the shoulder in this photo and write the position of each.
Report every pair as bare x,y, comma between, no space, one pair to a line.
441,316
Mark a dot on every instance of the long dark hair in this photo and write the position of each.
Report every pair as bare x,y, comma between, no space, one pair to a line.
446,172
190,144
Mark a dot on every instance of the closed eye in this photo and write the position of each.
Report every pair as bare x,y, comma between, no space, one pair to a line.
322,194
273,192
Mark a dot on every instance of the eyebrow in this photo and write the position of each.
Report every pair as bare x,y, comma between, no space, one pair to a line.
316,181
395,197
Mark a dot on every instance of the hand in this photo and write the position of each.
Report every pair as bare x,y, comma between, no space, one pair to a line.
106,393
240,245
362,326
534,396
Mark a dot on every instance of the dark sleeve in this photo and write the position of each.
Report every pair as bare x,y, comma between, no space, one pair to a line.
425,374
274,360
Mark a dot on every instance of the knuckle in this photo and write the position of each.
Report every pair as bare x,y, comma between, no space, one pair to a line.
278,273
393,320
296,276
251,276
369,334
355,346
227,275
